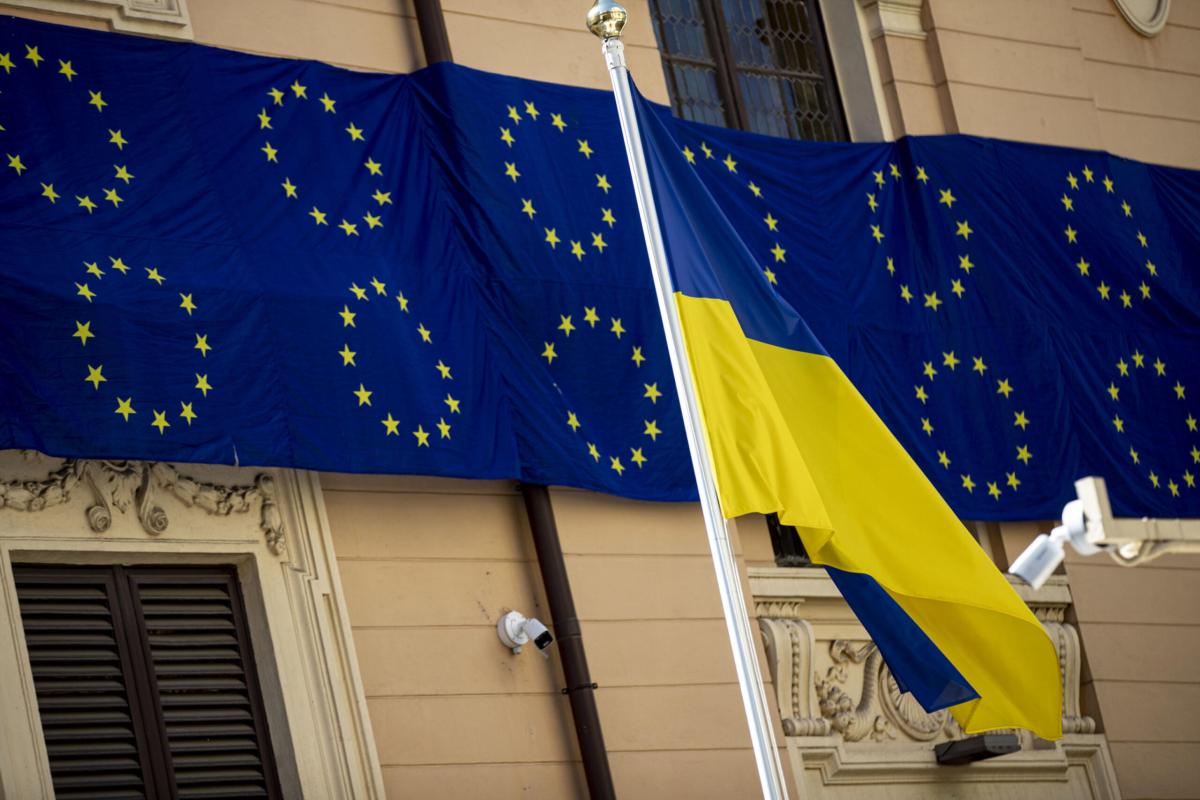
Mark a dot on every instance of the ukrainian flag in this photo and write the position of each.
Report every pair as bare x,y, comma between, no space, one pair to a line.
790,434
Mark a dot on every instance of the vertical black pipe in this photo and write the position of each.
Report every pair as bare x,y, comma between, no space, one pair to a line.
580,688
432,26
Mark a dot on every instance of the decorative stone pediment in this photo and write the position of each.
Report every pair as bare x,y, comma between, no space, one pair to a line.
166,18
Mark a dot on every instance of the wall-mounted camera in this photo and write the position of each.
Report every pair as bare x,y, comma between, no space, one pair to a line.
516,630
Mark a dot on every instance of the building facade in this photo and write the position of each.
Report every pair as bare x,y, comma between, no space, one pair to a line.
352,619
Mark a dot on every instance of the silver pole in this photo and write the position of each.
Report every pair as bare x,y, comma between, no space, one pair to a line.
606,20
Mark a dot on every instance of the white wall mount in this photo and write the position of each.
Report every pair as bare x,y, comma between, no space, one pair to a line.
515,630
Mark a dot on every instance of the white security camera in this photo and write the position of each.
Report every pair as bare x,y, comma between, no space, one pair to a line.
1042,557
515,631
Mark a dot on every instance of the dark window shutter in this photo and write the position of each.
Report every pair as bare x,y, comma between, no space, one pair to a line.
145,682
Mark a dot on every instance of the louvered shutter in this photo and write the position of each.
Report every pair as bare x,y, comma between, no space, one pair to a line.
146,682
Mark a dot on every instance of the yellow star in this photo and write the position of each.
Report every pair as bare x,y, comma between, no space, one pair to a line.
363,395
932,301
552,237
572,421
111,196
1118,423
1103,289
652,429
115,137
152,274
1139,359
779,253
123,174
125,407
514,115
271,152
422,436
1071,234
950,360
708,153
33,55
565,325
590,316
598,242
878,177
356,133
929,370
965,264
958,289
1160,367
403,301
1087,174
318,216
359,292
905,294
947,198
511,171
202,384
289,188
602,182
1153,270
1141,237
1189,479
372,220
922,176
1145,290
652,392
382,197
1021,421
83,332
186,412
754,189
606,215
298,90
347,317
264,120
347,356
426,336
391,425
202,344
95,376
96,100
527,207
577,250
771,279
689,155
993,490
49,193
1174,487
1123,368
443,427
943,459
1108,184
531,110
86,203
1191,423
729,163
65,69
16,163
1004,387
584,148
1128,209
617,328
328,102
160,422
1154,479
93,269
557,121
927,426
452,404
922,395
872,203
1195,454
548,352
379,286
276,96
891,266
1083,266
1114,392
1068,203
636,456
350,228
373,166
978,365
964,229
593,452
616,465
1072,180
1023,454
444,370
185,302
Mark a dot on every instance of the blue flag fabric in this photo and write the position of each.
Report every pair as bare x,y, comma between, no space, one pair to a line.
216,257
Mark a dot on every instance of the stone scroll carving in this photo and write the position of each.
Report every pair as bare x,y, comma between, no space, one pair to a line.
141,485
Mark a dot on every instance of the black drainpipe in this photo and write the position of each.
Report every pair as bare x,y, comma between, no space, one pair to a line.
580,689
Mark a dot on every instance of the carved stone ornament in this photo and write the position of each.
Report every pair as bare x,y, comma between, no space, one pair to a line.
140,484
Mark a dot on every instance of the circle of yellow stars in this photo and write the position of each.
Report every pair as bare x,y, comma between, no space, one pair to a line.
1127,368
20,162
1071,195
881,179
91,286
364,398
951,363
591,320
589,245
294,194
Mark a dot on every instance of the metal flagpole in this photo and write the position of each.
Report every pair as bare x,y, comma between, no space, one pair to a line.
606,19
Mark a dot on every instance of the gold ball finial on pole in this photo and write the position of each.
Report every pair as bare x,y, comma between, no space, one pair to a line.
606,19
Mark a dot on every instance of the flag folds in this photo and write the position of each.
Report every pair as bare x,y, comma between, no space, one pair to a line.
790,434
